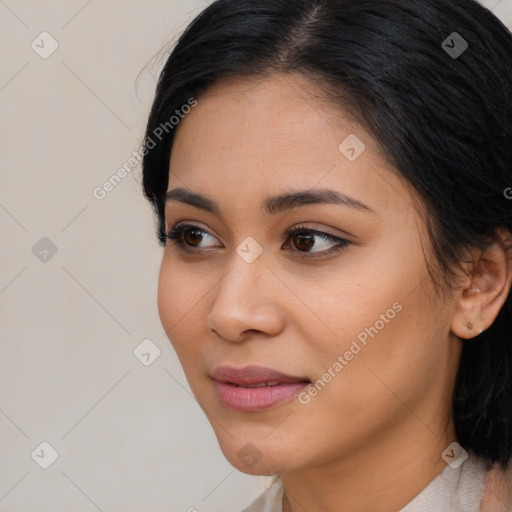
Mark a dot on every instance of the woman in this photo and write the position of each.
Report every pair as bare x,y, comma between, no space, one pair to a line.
330,180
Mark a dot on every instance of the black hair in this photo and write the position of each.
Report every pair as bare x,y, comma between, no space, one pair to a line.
440,111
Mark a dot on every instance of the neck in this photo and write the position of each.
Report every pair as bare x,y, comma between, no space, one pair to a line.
383,476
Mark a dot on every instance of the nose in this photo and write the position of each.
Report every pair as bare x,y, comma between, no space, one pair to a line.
246,301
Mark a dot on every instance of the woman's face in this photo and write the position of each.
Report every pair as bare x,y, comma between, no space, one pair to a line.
345,304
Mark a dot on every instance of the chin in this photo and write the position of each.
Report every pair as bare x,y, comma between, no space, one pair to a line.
252,458
259,468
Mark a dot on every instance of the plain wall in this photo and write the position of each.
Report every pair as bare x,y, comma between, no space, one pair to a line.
129,437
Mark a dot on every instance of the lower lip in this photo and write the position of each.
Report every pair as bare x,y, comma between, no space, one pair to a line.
257,399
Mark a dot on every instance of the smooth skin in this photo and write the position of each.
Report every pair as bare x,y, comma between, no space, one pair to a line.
372,438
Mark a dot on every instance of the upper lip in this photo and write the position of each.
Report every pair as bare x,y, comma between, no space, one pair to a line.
252,375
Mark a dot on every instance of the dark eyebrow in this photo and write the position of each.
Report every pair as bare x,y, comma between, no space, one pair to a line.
275,204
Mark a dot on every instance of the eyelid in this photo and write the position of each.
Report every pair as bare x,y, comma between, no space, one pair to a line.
288,232
317,231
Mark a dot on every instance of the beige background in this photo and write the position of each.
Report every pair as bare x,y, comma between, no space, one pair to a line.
129,437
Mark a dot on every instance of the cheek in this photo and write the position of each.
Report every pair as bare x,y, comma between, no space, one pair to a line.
388,329
183,303
179,290
178,301
392,352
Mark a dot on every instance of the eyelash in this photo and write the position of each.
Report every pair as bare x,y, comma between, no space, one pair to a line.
175,237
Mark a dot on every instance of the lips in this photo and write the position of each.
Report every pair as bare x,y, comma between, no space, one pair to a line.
255,388
253,376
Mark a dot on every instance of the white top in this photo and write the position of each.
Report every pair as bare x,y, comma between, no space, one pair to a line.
453,490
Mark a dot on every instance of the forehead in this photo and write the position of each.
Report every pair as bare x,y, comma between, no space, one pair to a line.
265,135
276,109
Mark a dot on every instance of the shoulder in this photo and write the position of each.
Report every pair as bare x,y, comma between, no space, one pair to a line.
498,490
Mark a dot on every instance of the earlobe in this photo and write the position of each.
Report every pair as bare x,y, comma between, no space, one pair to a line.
485,290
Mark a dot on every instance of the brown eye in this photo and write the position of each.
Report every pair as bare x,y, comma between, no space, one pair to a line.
305,239
193,237
188,236
305,242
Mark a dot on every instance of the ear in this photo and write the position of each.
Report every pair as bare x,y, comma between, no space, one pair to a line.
485,289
